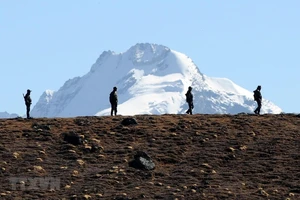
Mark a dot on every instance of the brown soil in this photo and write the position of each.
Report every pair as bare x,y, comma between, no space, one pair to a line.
197,157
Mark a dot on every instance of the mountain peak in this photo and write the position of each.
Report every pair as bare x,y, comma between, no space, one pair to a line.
151,79
146,53
147,47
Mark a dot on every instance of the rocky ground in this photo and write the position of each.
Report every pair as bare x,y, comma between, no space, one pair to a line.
196,157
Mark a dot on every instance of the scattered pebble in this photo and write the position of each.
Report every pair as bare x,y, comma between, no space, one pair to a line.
16,155
80,162
67,186
75,173
40,159
86,196
39,169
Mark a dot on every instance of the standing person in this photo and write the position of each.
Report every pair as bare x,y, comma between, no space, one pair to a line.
27,100
189,100
258,99
113,99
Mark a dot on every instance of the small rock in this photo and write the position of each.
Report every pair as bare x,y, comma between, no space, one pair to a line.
231,149
40,159
206,165
88,147
159,184
263,192
16,155
68,186
193,191
39,169
82,136
96,140
244,147
75,173
86,196
42,152
275,191
291,194
80,162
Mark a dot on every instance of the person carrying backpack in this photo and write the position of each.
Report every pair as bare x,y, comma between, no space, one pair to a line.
189,100
113,99
27,100
258,98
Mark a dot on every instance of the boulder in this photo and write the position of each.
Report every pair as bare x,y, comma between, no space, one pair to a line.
142,161
129,121
73,138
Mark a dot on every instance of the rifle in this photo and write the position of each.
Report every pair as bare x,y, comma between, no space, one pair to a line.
24,98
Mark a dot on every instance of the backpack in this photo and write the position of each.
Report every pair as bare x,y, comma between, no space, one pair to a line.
189,97
256,95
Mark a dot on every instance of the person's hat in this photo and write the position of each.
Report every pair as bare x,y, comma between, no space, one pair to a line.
115,88
28,90
190,87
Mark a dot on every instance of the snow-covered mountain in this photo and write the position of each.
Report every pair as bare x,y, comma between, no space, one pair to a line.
7,115
151,79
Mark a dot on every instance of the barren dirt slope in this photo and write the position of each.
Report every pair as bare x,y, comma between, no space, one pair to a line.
196,157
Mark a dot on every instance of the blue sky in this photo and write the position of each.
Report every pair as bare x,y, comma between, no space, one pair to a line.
251,42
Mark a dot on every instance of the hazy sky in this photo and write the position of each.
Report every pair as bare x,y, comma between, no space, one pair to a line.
251,42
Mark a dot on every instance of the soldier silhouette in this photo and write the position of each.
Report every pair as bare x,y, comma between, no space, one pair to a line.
113,99
27,100
258,99
189,100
